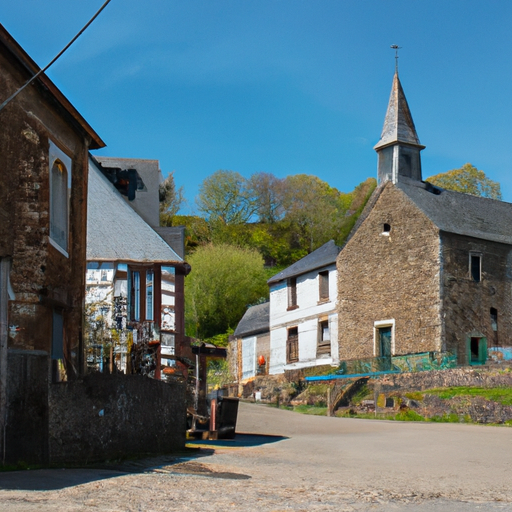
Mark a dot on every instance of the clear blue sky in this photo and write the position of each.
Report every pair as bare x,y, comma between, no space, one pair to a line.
280,86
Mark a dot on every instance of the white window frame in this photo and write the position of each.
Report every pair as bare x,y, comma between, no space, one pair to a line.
58,154
376,326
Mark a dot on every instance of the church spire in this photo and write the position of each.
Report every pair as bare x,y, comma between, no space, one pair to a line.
399,146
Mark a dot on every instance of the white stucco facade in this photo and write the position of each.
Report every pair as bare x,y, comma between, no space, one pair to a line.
314,317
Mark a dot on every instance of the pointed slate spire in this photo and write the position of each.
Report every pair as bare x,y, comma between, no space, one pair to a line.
399,146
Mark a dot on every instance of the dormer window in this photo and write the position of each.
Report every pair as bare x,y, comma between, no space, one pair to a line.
386,229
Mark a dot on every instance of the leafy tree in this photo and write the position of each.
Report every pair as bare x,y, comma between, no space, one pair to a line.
269,195
171,199
224,280
225,197
469,180
314,208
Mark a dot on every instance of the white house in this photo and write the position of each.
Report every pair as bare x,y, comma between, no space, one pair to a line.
303,319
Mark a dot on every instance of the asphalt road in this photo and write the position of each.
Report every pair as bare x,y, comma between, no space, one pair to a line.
295,462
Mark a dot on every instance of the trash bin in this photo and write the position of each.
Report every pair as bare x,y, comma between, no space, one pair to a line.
227,412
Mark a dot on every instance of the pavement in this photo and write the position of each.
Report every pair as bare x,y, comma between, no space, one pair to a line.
281,460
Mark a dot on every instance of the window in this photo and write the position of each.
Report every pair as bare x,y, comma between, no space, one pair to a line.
292,345
323,284
57,349
292,293
141,286
494,319
60,184
386,228
324,339
475,266
149,294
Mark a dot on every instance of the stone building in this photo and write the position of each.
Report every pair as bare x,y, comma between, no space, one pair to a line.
44,144
426,272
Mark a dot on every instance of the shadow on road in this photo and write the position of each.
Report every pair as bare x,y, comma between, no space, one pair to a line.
184,463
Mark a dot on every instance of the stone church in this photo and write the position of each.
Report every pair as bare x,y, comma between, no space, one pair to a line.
425,270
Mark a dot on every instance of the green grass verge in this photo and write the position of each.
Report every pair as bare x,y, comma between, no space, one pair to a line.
499,395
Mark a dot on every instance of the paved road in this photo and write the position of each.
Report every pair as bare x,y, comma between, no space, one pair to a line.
312,464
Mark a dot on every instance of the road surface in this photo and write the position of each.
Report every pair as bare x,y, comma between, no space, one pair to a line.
309,463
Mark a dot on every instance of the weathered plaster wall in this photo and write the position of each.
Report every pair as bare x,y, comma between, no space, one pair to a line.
252,347
107,416
306,318
467,303
393,276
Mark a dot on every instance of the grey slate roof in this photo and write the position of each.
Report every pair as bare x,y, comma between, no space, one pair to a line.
398,124
462,214
256,320
323,256
115,231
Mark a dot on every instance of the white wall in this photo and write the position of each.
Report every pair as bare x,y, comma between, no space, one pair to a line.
248,357
306,318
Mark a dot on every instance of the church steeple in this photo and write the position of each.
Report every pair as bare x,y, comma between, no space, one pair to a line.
399,146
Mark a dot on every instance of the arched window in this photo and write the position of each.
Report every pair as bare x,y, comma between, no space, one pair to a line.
60,167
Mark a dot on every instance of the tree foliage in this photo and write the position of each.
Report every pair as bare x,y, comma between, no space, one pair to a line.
171,198
224,280
225,197
469,180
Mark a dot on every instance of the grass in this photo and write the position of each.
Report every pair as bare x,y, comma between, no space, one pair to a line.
311,409
499,395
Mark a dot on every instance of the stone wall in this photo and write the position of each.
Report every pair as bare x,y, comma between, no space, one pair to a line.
42,277
115,416
390,276
467,303
27,407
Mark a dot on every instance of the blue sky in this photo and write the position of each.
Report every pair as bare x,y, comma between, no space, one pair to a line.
280,86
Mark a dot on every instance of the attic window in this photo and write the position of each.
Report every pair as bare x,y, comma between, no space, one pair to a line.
386,229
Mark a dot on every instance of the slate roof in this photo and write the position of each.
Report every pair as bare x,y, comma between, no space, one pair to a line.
256,320
398,124
462,214
115,232
323,256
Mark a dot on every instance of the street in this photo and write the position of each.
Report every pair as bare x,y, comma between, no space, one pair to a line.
298,462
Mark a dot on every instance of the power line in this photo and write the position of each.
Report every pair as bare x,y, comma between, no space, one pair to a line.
10,98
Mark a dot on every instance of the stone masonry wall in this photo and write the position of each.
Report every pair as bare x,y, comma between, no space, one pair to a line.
41,276
467,303
393,276
111,416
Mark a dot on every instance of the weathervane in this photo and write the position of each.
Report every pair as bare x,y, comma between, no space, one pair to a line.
396,48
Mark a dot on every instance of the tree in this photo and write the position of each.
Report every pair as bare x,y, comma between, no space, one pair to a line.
314,208
171,199
469,180
269,195
225,197
225,279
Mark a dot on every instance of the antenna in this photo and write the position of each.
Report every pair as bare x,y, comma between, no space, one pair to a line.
396,48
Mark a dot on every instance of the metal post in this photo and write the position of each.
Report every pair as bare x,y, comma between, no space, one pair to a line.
4,333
